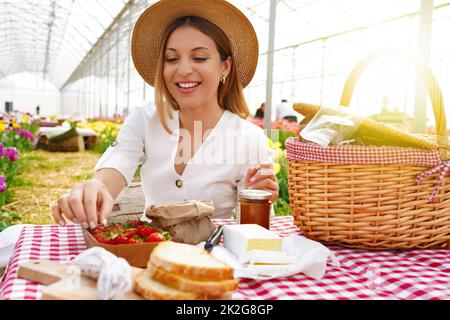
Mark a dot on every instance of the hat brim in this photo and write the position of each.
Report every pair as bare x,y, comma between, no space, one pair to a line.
148,33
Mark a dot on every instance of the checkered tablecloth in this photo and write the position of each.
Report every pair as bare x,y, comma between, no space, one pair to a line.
363,274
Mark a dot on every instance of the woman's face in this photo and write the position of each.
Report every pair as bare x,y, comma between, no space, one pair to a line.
193,68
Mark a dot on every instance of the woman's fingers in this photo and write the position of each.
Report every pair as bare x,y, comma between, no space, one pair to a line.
264,179
264,184
250,173
267,185
57,215
64,207
76,203
253,171
90,204
263,174
105,206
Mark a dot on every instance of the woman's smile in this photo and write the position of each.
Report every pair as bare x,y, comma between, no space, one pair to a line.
188,87
193,68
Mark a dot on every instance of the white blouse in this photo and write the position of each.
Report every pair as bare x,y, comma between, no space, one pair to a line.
216,171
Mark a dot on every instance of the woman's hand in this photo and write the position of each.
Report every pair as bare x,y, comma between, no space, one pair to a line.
89,203
262,177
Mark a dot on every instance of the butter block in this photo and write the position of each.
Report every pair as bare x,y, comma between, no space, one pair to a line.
242,238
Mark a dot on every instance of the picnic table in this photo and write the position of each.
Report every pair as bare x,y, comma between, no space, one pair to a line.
362,275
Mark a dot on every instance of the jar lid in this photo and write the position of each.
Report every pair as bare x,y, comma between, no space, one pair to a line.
251,194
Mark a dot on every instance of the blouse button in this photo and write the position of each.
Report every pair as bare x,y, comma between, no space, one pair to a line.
179,183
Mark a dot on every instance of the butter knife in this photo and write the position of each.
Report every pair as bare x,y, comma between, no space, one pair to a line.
214,238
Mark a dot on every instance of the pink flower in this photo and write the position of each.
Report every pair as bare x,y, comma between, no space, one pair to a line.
27,134
2,183
11,154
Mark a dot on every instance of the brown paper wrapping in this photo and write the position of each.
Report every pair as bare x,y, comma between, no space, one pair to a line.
187,222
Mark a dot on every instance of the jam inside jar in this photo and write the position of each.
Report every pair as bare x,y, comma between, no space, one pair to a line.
254,207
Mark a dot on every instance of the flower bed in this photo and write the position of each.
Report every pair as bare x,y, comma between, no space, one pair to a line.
106,131
16,136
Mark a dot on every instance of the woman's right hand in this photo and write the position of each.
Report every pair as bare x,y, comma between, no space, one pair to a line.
88,203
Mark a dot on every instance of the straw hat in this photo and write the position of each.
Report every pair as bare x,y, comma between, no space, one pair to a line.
149,29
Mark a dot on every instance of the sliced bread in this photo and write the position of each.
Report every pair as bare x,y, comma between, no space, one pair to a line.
210,288
189,260
153,290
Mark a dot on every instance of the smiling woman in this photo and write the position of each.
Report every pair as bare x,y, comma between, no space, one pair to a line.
199,55
195,47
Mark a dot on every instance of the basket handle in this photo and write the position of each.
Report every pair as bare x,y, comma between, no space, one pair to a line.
425,73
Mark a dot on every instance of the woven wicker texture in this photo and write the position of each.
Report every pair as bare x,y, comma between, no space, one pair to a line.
378,206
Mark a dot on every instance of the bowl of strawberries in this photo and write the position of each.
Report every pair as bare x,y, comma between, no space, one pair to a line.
134,240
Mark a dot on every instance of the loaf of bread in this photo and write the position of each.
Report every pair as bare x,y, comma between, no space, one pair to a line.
153,290
186,272
196,285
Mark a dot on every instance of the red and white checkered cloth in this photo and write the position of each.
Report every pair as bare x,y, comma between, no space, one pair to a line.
363,274
349,154
50,242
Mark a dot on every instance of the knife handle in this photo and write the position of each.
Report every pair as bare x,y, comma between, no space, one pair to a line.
214,238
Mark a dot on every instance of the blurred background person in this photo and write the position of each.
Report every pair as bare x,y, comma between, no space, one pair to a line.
260,112
284,110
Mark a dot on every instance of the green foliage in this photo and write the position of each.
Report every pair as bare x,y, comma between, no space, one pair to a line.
103,143
32,127
19,139
281,206
281,136
11,138
7,219
106,131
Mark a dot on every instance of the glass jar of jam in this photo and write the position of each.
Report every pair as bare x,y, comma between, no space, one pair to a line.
254,207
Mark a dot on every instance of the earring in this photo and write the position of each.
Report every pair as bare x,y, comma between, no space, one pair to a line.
223,80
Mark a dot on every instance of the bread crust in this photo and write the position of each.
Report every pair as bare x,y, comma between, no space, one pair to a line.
217,273
147,292
210,288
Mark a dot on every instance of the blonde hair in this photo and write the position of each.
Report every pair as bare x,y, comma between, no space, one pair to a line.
230,94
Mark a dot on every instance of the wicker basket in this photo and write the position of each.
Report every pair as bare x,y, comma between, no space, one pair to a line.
377,206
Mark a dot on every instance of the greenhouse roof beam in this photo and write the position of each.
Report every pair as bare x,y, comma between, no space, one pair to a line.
51,35
51,23
324,38
107,31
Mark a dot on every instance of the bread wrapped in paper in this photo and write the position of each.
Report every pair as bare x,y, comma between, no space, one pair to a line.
187,221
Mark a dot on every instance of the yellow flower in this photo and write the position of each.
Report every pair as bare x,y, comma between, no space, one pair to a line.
15,125
276,168
2,126
275,145
25,118
278,155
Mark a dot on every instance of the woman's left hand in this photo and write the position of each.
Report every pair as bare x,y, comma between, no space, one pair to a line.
262,177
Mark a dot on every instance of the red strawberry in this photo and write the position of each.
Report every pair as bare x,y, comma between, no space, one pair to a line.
102,238
135,223
144,231
155,237
121,240
129,233
134,240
